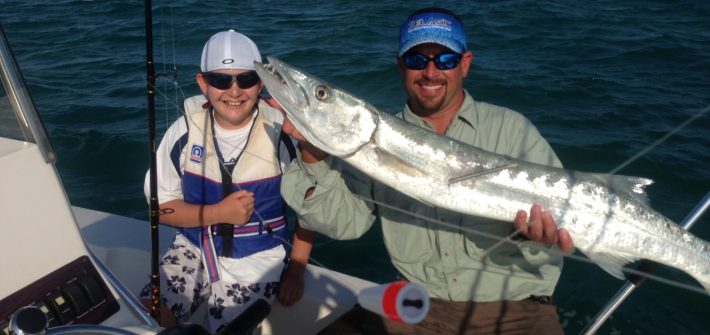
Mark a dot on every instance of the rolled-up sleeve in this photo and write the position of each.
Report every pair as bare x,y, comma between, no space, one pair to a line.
338,207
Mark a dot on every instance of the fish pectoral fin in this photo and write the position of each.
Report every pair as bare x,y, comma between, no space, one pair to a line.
390,161
612,263
394,162
478,172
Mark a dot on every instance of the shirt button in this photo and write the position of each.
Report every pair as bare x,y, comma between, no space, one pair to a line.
446,254
454,280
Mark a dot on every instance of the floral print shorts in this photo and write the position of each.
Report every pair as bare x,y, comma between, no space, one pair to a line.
185,284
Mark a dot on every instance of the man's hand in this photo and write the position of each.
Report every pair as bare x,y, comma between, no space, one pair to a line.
236,208
541,227
291,286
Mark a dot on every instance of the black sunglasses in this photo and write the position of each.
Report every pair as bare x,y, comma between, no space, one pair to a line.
223,81
445,61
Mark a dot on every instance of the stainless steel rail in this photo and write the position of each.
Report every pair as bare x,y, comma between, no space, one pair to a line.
630,286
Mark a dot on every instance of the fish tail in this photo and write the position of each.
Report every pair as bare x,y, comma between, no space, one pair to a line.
701,270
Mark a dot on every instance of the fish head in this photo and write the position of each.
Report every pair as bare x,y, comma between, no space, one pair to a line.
327,117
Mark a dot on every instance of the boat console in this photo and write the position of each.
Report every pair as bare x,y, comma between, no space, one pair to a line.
74,293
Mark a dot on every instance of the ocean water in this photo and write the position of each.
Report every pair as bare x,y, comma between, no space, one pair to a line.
601,80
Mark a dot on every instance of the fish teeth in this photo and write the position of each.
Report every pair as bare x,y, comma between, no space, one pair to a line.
272,70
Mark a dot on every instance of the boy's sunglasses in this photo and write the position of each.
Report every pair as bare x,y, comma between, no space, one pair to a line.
223,81
445,61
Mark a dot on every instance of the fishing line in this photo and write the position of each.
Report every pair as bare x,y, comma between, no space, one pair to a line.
164,73
346,279
518,244
179,112
508,239
163,56
665,137
209,144
310,259
500,240
174,62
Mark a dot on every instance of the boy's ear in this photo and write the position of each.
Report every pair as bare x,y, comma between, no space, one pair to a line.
200,79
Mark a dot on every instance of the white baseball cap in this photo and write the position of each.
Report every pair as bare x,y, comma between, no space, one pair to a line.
229,50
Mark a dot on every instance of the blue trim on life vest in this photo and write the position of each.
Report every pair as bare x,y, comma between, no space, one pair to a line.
244,245
269,205
175,152
267,193
256,228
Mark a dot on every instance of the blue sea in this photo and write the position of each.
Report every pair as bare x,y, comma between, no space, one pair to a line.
602,81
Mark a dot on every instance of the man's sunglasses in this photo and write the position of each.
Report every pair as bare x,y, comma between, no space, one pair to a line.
445,61
223,81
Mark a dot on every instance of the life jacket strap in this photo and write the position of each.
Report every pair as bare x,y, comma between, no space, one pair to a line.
226,230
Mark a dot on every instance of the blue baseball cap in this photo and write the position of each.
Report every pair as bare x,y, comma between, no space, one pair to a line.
433,27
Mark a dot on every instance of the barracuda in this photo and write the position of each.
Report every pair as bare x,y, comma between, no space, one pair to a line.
605,214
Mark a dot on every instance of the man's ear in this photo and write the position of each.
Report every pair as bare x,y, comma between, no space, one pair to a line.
466,62
400,64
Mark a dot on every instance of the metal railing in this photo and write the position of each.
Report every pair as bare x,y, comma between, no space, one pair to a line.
19,98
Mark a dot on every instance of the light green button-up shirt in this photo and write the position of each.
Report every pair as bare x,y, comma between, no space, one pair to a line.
450,263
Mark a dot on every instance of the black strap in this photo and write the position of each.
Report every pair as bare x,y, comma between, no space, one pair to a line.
288,143
226,230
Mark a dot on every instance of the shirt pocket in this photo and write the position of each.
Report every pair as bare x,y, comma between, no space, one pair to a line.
406,236
487,238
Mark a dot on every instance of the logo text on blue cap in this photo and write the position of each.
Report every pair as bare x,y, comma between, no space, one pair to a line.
430,23
435,27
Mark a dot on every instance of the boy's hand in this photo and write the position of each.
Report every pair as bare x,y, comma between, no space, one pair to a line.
236,208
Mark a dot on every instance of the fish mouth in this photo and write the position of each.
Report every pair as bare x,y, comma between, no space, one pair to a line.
281,82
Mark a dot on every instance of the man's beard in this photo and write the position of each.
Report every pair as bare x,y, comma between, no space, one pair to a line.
428,106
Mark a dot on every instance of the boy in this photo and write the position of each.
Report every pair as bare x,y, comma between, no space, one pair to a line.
219,173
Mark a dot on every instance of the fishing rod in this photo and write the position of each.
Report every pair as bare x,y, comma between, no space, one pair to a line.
154,207
636,280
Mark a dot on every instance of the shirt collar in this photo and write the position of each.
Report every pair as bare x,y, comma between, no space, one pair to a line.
467,113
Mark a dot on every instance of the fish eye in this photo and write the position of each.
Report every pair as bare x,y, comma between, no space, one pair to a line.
321,92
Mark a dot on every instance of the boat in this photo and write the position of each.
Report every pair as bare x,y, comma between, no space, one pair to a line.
50,234
70,269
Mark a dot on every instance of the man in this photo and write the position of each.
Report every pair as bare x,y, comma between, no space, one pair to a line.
477,284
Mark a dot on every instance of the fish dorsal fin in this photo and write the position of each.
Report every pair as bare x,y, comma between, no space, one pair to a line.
634,186
612,263
393,162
